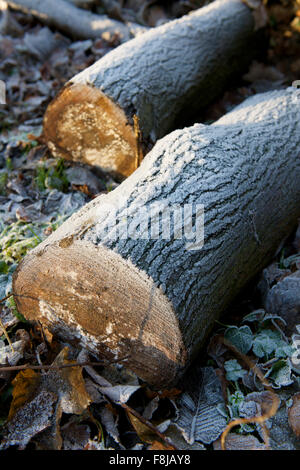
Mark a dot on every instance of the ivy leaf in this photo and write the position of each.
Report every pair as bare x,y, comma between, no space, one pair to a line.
266,342
241,338
261,317
284,350
281,373
270,316
256,315
234,370
235,400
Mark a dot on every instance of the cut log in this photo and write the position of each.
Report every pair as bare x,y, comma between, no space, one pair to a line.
113,279
76,22
160,76
8,25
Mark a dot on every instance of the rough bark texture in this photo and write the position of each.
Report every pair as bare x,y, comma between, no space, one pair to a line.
152,297
161,76
78,23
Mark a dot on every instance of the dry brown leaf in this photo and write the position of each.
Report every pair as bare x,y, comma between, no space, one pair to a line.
156,445
69,385
30,412
25,385
294,415
172,393
143,431
75,436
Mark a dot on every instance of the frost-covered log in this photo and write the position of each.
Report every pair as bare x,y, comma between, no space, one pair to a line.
130,273
76,22
161,77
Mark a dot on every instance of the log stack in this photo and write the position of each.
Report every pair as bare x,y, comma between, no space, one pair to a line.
158,80
136,273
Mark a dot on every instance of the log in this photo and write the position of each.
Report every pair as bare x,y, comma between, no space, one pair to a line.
8,25
76,22
162,77
113,280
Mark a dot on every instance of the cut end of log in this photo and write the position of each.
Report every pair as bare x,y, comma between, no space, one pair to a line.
93,298
82,124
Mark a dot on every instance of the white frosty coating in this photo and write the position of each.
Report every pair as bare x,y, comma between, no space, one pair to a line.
179,65
248,181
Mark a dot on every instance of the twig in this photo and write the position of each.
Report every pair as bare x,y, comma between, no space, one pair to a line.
62,366
255,419
149,425
3,327
5,298
6,335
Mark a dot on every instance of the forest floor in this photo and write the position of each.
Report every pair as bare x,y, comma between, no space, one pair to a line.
106,406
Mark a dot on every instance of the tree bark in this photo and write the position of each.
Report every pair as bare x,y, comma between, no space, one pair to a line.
162,77
76,22
113,281
83,3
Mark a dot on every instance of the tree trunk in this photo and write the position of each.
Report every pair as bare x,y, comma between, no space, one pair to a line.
111,277
161,77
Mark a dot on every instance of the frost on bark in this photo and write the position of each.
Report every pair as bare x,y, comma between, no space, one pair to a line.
152,297
161,77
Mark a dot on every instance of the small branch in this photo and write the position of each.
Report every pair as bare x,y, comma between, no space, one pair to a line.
6,335
255,419
5,298
62,366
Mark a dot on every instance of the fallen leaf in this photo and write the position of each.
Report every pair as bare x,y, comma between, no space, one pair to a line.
156,445
240,442
24,387
142,430
119,393
199,418
109,420
150,408
75,436
29,420
68,383
65,390
216,349
175,436
284,300
294,414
